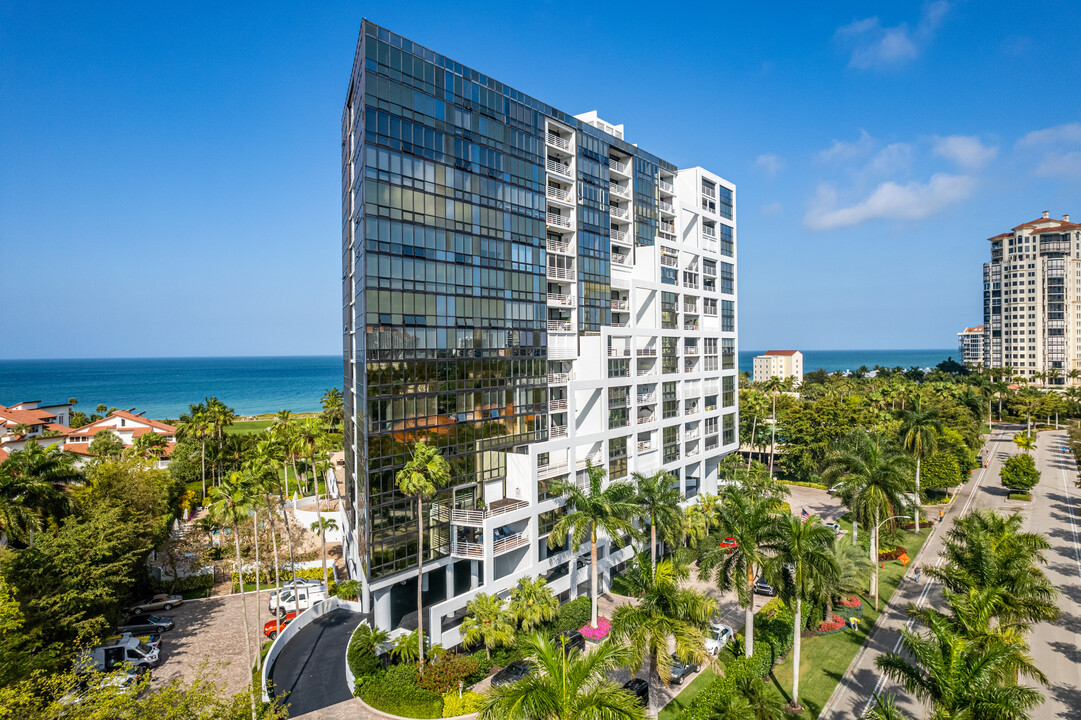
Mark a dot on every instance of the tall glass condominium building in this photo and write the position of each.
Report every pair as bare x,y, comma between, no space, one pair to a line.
529,292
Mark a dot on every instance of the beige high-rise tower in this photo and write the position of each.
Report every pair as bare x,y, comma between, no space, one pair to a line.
1032,300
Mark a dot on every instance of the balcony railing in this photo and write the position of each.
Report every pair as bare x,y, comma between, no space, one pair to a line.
691,453
644,445
619,189
560,299
557,431
646,398
666,186
690,325
555,467
618,402
643,419
690,307
558,220
709,232
614,352
647,352
558,167
711,443
617,211
618,166
560,273
621,258
625,372
709,271
561,143
669,261
559,246
560,378
462,549
642,372
461,516
666,207
620,323
559,193
710,310
619,236
557,405
690,435
510,542
621,304
559,326
690,350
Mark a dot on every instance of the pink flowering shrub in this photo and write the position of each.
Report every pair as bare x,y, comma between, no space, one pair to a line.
604,626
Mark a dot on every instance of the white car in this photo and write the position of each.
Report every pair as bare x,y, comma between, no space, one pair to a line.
284,602
835,526
717,637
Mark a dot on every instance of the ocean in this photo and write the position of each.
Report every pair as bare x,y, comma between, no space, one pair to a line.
164,387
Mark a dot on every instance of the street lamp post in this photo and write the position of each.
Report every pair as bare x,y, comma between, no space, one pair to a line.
877,561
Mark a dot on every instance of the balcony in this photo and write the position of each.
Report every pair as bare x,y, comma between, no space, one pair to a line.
691,453
561,273
669,261
554,467
708,232
560,299
557,431
642,372
558,221
709,271
690,308
690,435
690,325
643,419
621,259
625,372
621,305
646,398
510,542
556,141
666,207
559,326
462,549
712,443
647,352
559,246
618,402
618,212
557,405
619,167
560,378
621,190
644,445
554,166
619,236
476,517
690,350
614,352
560,194
620,323
710,310
666,186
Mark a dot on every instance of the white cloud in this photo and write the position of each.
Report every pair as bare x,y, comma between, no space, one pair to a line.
841,150
1064,165
772,208
1069,133
770,164
890,160
874,46
968,152
889,201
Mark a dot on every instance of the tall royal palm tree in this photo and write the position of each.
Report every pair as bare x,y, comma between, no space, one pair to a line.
589,511
488,622
532,603
32,489
565,685
196,425
919,436
958,677
873,478
774,385
801,561
755,404
262,469
666,614
659,504
221,416
231,503
422,475
750,521
332,407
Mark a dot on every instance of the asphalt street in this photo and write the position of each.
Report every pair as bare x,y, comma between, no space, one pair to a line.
1056,648
310,671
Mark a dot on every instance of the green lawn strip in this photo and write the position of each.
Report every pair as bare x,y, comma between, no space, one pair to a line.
247,427
681,701
825,658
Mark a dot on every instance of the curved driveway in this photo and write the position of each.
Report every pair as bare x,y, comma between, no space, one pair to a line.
309,674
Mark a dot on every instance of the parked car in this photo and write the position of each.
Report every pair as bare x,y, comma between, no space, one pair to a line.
161,601
151,639
640,689
728,543
835,526
512,673
125,651
144,624
284,602
761,587
681,670
574,639
717,637
272,627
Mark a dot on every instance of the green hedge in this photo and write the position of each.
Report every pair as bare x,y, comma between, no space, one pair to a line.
396,692
572,615
454,706
817,486
204,581
303,574
1020,496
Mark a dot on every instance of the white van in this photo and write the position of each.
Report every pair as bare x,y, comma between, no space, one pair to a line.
307,595
129,650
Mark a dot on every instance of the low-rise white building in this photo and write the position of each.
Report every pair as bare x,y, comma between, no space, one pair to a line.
970,345
30,419
125,425
781,364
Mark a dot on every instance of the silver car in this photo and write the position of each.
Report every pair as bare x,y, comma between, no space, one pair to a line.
161,601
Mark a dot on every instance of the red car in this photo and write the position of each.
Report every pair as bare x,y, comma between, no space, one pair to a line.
728,543
272,627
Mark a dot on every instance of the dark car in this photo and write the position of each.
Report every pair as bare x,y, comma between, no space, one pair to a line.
512,673
680,670
574,640
144,624
640,689
761,587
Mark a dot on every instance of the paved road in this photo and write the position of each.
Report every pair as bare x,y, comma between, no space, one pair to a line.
854,694
310,671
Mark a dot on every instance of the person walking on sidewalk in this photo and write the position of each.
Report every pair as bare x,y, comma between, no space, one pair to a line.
917,573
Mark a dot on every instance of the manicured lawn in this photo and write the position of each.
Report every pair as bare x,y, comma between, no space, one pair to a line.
688,693
825,658
247,427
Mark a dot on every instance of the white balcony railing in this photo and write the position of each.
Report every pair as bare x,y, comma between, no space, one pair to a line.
462,549
690,308
621,323
559,193
666,207
617,211
560,299
554,467
561,143
643,419
621,304
618,166
646,398
559,246
557,405
621,258
619,236
558,167
644,445
559,326
711,309
511,542
614,352
709,271
626,372
560,273
557,431
668,228
690,350
690,435
558,220
560,378
619,402
669,261
647,352
666,186
618,189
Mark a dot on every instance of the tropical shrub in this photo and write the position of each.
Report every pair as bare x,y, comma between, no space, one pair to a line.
349,590
889,553
828,627
444,676
817,486
454,706
396,692
604,626
1020,473
572,615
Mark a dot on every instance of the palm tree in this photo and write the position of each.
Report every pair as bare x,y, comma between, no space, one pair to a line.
101,409
873,480
32,482
320,526
231,502
773,385
959,678
595,508
665,614
150,444
756,405
425,471
310,435
749,521
488,622
885,708
532,602
565,686
764,702
853,568
919,435
262,468
221,416
802,562
332,407
659,504
196,424
1024,442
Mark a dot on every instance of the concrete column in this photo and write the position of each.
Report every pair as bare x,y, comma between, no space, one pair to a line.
382,609
450,580
474,574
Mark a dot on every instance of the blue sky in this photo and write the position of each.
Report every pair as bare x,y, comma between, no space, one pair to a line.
170,173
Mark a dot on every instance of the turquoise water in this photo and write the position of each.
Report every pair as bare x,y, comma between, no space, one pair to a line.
164,387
